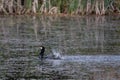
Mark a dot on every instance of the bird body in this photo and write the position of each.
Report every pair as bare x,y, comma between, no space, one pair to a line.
41,55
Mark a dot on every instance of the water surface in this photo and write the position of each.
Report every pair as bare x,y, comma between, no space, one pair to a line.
90,47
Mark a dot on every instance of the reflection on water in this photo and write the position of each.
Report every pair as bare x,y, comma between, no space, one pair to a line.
90,47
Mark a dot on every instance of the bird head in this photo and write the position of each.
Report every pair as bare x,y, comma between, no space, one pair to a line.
41,47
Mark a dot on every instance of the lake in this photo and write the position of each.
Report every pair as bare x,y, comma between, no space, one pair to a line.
89,46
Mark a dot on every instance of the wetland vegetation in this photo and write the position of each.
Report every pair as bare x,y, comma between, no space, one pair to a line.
71,7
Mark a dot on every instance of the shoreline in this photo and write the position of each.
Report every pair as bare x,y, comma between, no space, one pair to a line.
59,15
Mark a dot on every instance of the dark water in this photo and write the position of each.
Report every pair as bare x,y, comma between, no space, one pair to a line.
90,48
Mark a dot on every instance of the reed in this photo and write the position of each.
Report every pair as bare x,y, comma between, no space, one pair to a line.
99,7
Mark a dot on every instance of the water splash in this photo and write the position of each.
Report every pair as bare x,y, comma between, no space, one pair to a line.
56,54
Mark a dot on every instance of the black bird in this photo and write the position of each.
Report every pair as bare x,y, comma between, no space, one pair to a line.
41,54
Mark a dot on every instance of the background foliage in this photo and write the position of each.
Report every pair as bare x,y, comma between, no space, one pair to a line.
81,7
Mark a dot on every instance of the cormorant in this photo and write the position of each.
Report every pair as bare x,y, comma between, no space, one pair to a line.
41,54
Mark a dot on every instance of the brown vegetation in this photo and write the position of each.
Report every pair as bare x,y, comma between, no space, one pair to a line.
72,7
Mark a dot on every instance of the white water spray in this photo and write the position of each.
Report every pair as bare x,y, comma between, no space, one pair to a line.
56,54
